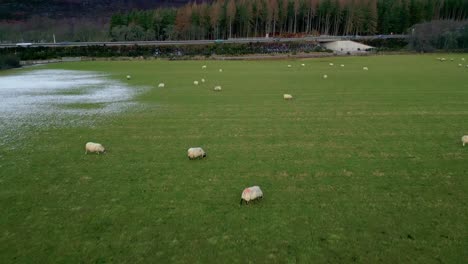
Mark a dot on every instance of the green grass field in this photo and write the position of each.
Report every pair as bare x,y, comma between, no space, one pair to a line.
365,167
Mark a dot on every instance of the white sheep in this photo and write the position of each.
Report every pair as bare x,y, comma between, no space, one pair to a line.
196,153
451,59
342,65
463,59
220,70
203,67
202,80
325,76
129,77
303,65
289,65
287,97
465,140
94,148
443,59
365,68
217,88
331,64
460,65
161,85
251,194
195,82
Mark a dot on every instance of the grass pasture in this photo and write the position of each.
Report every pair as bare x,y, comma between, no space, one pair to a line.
362,167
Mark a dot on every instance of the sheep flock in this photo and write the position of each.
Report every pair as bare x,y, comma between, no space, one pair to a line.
253,193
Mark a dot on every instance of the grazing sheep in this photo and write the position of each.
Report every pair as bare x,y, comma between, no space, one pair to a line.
287,97
303,65
460,65
251,194
451,59
342,65
94,148
365,68
161,85
202,80
331,64
129,77
289,65
217,88
220,70
325,76
195,82
203,67
196,153
443,59
465,140
463,59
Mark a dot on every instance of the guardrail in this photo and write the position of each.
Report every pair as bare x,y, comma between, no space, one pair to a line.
201,42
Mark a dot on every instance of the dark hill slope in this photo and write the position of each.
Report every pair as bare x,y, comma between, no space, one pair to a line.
23,9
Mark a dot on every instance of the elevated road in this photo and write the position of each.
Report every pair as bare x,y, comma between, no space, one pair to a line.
202,42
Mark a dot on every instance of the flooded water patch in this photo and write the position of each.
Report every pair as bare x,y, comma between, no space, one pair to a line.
49,98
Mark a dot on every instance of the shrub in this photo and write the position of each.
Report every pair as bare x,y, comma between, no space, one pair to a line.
9,61
382,44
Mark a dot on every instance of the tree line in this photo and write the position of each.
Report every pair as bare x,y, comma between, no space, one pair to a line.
440,35
221,19
43,29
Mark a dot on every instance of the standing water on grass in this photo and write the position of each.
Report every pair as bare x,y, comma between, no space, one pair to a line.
52,98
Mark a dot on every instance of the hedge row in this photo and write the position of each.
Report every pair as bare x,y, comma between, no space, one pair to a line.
387,44
42,53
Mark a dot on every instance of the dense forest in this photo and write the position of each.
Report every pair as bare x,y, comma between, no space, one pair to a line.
103,20
256,18
20,10
67,20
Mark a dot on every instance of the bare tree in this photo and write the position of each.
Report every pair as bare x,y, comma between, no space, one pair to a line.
231,14
273,10
215,13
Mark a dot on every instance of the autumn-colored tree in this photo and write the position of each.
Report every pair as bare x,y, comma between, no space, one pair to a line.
182,22
215,14
230,14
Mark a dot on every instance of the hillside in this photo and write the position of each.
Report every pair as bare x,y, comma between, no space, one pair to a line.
24,9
